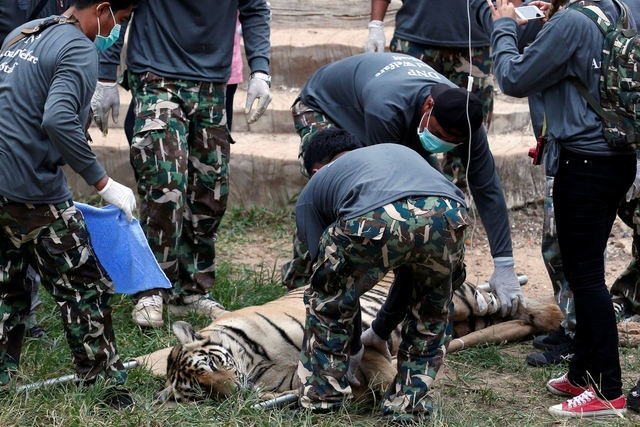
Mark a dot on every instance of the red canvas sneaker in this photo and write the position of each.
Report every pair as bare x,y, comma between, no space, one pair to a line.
563,387
589,405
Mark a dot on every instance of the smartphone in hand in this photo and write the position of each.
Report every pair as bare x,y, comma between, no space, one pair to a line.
529,12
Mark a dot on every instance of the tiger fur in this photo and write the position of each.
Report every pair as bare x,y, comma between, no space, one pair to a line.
258,347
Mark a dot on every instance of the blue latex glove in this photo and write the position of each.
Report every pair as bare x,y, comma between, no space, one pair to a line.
504,283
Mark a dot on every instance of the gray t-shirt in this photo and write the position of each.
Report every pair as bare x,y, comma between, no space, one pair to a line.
568,45
378,98
193,39
361,181
46,84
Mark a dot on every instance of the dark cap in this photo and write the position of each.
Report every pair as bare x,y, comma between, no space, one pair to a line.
450,109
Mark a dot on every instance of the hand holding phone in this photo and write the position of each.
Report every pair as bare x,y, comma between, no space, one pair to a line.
529,12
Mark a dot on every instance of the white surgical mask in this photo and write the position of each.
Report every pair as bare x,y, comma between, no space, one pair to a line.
432,143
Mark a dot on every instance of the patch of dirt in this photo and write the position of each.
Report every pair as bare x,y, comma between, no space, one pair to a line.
526,235
262,250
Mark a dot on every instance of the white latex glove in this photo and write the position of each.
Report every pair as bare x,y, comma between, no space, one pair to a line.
634,190
354,364
369,338
258,89
375,40
106,97
504,283
120,196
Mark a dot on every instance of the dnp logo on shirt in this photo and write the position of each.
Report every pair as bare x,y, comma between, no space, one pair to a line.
403,61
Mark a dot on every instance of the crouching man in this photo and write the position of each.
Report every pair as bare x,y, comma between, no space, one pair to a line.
365,211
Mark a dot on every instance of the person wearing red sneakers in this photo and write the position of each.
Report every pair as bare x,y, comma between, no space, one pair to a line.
583,402
590,180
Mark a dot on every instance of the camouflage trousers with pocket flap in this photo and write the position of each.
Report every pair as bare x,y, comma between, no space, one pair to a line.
180,154
424,235
53,238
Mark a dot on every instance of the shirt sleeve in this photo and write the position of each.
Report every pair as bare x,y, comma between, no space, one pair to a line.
255,17
488,195
66,109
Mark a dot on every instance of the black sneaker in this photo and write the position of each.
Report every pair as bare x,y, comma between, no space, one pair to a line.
633,398
118,398
559,354
36,332
552,340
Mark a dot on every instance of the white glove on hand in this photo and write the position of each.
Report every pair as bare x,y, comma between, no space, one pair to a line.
120,196
354,364
370,339
634,190
106,97
375,41
504,283
258,89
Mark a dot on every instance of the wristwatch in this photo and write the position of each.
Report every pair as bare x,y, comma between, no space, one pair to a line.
262,76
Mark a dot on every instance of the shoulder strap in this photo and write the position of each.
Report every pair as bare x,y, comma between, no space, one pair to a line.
43,25
37,10
591,100
595,13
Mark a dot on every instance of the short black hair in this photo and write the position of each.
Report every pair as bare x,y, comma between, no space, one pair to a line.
115,4
326,144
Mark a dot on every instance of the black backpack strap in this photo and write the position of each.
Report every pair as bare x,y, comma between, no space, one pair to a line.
37,10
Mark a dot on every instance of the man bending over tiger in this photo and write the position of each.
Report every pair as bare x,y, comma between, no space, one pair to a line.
366,211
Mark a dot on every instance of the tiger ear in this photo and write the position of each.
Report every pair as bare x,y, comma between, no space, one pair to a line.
185,332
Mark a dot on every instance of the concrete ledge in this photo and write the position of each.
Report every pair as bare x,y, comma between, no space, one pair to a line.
265,171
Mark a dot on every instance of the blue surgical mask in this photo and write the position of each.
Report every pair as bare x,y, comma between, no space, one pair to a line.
104,43
432,143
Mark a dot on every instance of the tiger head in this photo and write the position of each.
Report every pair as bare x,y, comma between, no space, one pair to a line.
197,369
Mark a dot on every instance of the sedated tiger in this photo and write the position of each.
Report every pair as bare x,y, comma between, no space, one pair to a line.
258,347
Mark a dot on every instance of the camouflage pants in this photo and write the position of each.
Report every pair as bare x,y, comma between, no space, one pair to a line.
424,235
180,155
453,63
627,285
53,238
553,262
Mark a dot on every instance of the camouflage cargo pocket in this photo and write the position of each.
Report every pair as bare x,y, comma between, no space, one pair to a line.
370,228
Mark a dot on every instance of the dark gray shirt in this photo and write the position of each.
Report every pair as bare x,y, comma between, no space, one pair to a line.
361,181
46,84
568,45
444,23
378,98
193,39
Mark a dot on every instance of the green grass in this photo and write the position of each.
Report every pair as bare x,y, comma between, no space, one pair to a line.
483,386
